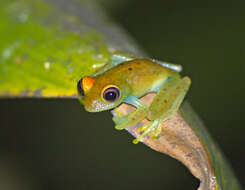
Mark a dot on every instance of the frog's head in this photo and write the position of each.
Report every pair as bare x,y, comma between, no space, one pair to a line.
99,94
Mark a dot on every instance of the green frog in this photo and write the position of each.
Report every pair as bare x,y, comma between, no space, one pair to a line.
126,80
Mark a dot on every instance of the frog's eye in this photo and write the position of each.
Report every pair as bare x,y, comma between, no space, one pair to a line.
110,93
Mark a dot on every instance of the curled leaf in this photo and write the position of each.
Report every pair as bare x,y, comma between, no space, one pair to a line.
185,138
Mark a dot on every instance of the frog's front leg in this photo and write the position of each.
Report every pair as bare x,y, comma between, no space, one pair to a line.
134,117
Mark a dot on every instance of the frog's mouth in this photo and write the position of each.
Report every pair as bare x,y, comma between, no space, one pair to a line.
97,106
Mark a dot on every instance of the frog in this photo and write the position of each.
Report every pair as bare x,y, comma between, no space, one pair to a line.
127,79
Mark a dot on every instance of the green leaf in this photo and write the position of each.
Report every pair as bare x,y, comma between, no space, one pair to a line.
44,52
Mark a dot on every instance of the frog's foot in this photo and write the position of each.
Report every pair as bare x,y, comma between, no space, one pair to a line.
151,126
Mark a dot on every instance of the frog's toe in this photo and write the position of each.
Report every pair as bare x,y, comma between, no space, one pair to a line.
151,126
157,130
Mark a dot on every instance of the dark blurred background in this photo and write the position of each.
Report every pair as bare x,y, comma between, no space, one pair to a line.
56,145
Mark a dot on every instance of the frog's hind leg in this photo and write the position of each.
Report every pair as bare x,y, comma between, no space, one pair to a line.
168,99
167,102
164,105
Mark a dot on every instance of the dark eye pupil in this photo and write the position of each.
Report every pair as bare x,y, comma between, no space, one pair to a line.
111,94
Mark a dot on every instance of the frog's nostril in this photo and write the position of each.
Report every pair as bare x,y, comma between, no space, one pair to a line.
80,88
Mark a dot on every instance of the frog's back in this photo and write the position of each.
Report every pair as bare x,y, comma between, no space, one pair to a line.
142,75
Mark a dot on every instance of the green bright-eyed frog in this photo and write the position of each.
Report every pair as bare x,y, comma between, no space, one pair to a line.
125,80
